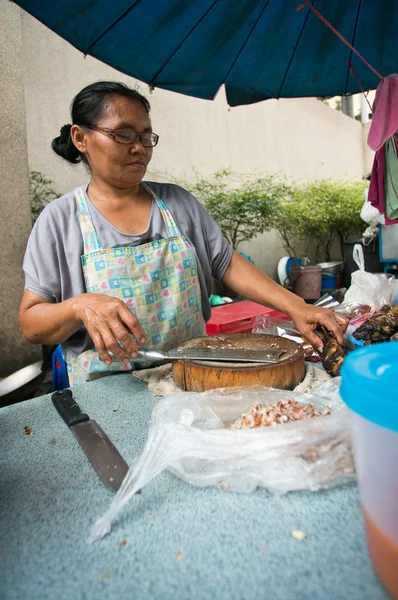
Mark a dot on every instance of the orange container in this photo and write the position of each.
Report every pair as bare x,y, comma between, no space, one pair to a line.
369,387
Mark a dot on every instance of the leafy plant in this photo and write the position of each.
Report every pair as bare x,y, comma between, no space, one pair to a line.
345,219
318,213
41,192
242,205
308,216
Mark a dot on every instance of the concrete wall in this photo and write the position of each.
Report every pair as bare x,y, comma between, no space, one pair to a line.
305,139
15,222
368,154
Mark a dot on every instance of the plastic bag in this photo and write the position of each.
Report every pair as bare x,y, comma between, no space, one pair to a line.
187,437
353,310
370,214
286,329
265,324
357,313
373,289
274,326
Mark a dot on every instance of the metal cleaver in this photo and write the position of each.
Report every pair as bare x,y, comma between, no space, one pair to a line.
99,449
272,355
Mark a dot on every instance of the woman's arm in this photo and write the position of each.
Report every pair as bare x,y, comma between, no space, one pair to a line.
249,282
46,322
108,321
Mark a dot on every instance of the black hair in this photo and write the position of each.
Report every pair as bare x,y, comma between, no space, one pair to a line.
86,110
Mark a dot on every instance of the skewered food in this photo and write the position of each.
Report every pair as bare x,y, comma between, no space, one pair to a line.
333,354
380,327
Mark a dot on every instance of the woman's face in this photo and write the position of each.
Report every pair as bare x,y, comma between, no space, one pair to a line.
119,165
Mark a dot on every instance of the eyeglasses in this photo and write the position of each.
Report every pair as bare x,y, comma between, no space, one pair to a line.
128,136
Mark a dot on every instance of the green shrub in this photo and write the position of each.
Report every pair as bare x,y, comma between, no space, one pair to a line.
307,215
242,205
318,213
41,192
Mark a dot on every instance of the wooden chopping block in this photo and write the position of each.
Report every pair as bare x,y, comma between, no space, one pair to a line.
201,375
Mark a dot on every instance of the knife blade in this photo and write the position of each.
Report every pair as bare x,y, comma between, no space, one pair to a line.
271,355
105,458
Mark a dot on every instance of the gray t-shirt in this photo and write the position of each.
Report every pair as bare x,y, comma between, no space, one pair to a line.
52,260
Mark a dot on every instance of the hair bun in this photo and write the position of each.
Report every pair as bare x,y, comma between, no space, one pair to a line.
64,146
65,132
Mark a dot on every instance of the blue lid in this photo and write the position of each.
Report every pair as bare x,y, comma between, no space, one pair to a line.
369,384
356,343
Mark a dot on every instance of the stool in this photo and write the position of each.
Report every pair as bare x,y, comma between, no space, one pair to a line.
60,379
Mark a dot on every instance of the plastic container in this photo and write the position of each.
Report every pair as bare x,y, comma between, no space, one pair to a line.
292,262
369,388
238,317
329,282
307,281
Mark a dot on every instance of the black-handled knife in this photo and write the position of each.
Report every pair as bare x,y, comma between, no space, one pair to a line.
99,449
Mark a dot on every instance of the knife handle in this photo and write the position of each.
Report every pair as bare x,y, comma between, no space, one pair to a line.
68,408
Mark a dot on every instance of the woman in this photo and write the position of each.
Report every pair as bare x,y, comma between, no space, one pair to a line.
121,263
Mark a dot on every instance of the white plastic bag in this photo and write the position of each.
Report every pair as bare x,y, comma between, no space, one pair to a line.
373,289
370,214
190,435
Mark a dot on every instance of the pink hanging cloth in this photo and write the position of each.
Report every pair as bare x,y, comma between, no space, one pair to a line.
385,112
384,125
376,195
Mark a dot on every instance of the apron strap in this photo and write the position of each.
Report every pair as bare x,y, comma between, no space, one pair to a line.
171,225
91,241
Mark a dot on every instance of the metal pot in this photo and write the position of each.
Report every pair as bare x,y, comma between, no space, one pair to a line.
333,268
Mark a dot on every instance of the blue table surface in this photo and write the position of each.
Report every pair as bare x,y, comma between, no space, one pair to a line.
232,546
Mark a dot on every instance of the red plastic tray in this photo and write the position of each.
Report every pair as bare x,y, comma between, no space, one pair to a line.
238,317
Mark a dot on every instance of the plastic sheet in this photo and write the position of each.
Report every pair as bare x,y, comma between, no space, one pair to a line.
264,324
190,436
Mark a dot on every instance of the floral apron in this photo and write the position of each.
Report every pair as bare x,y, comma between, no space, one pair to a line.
157,281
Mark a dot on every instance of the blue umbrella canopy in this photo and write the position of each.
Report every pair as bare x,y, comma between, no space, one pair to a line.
258,49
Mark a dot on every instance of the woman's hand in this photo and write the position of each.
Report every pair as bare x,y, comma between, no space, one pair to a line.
109,323
307,317
245,279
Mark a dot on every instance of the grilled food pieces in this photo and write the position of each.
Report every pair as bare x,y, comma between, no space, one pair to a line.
380,327
271,415
333,354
